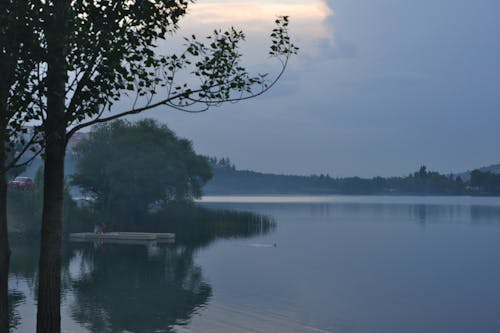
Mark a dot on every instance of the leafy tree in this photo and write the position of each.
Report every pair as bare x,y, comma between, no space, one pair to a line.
127,167
422,172
485,182
20,54
97,52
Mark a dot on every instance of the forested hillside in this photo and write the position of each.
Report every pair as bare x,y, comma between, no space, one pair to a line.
229,180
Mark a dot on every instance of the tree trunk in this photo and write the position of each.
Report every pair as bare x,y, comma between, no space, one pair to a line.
4,241
4,238
49,287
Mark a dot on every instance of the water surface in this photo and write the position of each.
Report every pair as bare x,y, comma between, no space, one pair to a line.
333,264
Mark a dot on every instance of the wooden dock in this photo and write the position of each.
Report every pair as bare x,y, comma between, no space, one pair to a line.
123,236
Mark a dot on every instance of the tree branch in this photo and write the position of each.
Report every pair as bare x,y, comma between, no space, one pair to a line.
26,147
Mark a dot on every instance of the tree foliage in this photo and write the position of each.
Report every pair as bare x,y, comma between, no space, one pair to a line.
110,53
94,53
19,54
127,167
485,182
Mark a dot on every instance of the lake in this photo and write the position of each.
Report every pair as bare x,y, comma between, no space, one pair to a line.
332,264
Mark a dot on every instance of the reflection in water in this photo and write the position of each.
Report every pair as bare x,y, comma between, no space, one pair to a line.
149,287
15,299
128,289
354,265
336,267
420,213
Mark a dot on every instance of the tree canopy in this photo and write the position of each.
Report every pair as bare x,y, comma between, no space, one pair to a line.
127,167
19,55
90,55
485,182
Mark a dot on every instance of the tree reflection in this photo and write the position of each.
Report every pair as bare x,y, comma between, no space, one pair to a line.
136,288
15,299
133,288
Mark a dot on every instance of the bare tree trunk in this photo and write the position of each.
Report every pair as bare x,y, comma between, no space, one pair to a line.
4,240
49,288
5,81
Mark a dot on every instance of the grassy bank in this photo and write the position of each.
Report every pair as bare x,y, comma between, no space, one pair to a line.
192,224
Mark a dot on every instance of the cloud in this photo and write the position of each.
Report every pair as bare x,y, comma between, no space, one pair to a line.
309,22
259,10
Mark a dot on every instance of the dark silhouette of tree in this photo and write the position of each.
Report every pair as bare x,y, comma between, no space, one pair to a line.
100,51
485,182
127,167
422,172
20,53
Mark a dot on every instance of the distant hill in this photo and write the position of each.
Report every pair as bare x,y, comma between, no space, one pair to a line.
494,168
227,180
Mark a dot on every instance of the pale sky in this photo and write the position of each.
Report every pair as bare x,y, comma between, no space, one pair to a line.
379,87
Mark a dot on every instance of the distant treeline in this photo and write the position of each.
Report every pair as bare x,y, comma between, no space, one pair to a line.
228,180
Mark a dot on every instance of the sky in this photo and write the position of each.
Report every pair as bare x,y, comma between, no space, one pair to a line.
379,87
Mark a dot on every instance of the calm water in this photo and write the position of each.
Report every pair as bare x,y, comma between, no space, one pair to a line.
333,264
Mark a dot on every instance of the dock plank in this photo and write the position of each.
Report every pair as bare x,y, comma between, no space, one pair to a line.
123,236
